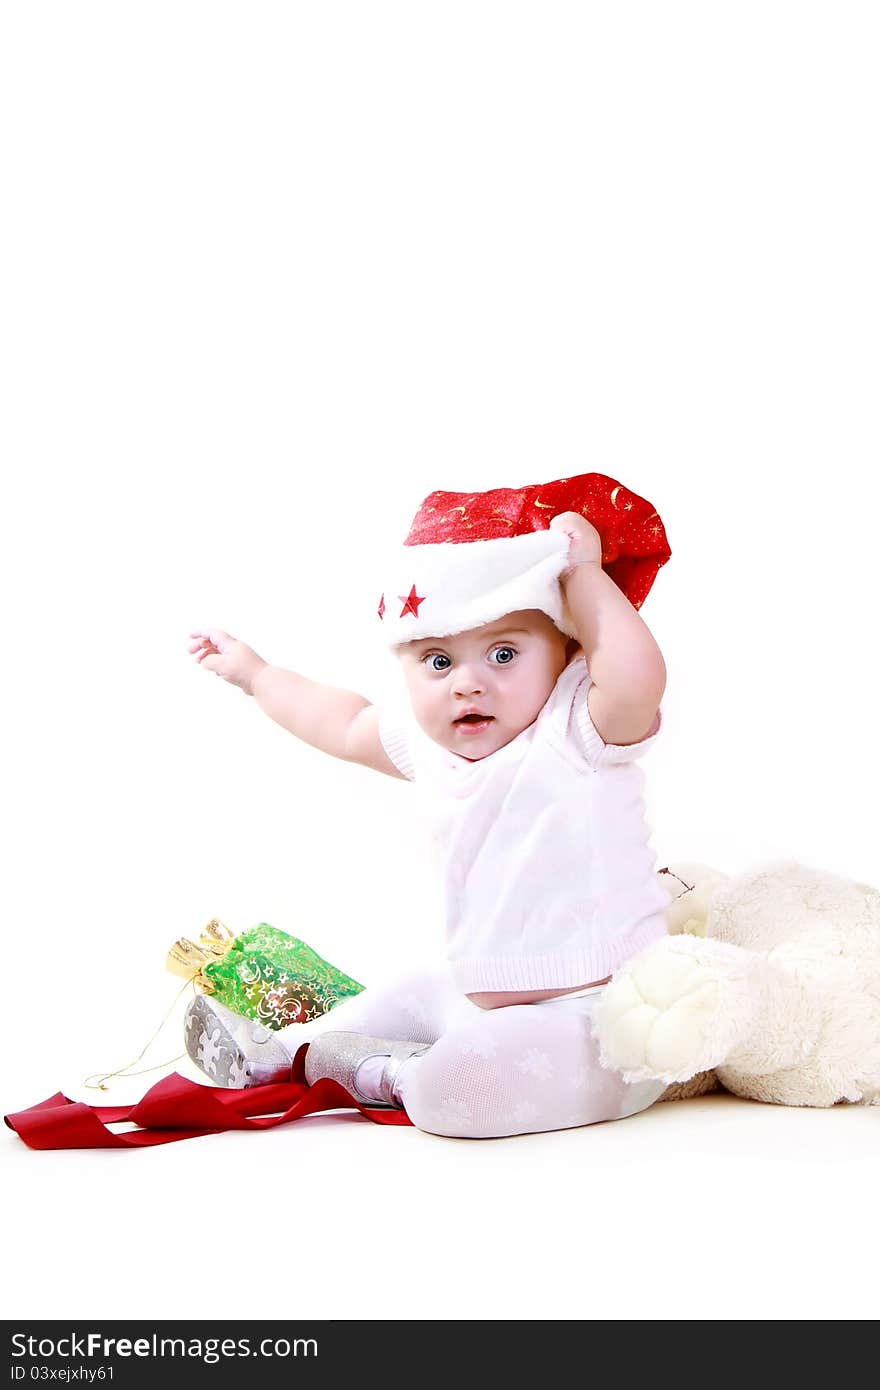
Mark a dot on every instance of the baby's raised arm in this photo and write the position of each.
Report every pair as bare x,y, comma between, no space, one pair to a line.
337,722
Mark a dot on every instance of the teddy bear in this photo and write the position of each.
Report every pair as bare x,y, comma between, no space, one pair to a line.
768,985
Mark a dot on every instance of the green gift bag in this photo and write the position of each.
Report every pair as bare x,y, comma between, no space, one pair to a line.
262,973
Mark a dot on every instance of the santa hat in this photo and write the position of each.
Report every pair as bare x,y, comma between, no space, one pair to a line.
472,557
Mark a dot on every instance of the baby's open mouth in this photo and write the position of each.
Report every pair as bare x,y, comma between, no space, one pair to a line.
473,719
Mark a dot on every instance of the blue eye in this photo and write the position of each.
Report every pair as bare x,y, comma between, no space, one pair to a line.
429,658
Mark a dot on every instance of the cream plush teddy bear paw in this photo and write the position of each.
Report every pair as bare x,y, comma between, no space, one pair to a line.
676,1009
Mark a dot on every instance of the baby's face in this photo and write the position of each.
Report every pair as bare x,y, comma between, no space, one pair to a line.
506,669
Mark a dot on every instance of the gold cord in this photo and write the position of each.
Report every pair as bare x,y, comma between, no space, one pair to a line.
105,1076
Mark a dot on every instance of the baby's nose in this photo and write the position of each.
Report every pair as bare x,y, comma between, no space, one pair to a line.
468,683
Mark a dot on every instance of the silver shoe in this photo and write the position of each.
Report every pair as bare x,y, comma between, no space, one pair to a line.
338,1056
233,1050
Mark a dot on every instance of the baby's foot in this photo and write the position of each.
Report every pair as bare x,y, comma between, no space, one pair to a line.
232,1050
367,1068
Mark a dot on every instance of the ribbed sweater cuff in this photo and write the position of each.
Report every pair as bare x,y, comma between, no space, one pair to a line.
601,754
557,971
393,740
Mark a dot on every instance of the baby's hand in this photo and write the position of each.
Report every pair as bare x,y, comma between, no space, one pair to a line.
585,543
226,657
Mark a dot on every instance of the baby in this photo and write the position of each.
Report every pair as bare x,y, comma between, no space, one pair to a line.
522,733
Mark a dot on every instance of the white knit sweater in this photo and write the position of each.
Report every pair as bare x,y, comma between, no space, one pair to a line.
543,846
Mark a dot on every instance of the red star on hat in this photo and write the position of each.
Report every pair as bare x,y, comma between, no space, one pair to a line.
411,602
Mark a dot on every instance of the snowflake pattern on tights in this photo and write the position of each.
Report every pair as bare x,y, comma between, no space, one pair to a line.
452,1109
479,1045
536,1063
413,1006
574,1117
524,1112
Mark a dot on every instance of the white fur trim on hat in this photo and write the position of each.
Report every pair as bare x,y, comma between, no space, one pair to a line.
438,590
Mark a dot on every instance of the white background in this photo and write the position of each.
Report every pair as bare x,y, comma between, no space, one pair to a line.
270,274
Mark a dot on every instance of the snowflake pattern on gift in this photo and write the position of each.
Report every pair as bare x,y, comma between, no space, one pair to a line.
209,1054
217,1059
536,1063
239,1076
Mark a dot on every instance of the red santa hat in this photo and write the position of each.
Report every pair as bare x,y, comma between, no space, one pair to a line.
472,557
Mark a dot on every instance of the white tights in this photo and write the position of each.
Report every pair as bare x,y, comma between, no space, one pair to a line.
520,1069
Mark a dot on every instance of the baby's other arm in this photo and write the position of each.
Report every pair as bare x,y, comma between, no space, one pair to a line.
335,721
338,722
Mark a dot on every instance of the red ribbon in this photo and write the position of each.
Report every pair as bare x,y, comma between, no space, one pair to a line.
176,1108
